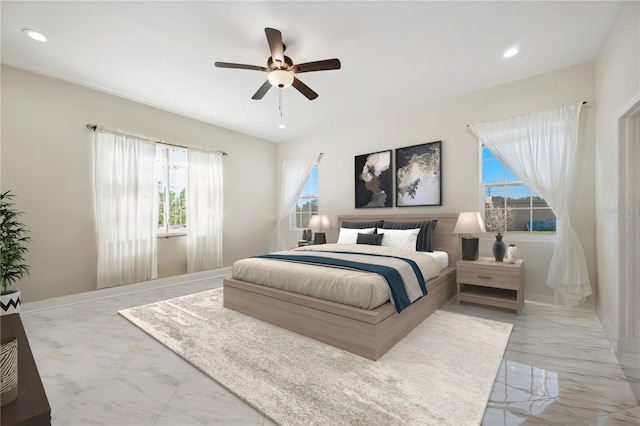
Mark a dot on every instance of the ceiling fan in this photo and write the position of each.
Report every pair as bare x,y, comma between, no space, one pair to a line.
281,69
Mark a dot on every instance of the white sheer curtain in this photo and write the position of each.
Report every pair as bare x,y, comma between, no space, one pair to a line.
126,209
295,174
204,211
540,149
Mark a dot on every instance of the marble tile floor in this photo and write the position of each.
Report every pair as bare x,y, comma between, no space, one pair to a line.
630,363
558,369
97,368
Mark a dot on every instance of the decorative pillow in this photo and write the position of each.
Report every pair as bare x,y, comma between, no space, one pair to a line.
362,225
350,236
371,239
425,237
401,238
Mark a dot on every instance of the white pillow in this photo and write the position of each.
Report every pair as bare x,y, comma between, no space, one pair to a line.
350,236
400,238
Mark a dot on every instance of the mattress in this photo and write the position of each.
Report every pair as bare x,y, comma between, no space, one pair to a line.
364,290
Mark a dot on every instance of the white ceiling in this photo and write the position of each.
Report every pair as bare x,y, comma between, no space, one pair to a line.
395,55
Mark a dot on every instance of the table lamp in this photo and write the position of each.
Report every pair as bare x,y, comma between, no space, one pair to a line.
469,223
319,222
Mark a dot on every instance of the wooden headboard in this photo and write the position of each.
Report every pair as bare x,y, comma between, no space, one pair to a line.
443,238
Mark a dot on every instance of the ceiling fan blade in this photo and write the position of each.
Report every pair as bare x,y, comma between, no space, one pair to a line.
262,91
274,38
240,66
327,64
304,89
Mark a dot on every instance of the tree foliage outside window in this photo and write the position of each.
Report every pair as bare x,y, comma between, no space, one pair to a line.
503,190
171,163
307,204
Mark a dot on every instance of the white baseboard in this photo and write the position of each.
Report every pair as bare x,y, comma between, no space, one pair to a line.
123,289
539,298
585,307
609,330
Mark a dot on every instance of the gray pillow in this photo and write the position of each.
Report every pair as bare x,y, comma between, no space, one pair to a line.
425,237
370,239
363,225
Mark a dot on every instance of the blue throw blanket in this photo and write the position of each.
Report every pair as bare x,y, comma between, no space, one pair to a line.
399,277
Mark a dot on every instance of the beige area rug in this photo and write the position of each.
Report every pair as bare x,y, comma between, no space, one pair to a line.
440,374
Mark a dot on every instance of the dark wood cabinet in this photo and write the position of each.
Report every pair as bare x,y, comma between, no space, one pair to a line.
31,407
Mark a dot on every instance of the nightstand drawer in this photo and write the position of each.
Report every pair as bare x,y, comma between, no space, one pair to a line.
490,277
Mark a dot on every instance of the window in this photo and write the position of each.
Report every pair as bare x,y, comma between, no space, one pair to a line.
502,189
307,204
171,169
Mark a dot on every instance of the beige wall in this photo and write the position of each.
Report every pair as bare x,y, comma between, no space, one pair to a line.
447,121
172,256
617,83
47,160
0,130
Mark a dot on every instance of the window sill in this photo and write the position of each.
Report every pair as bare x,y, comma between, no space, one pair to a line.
172,234
516,237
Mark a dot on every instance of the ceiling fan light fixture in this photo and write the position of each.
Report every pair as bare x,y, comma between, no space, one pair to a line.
281,69
280,78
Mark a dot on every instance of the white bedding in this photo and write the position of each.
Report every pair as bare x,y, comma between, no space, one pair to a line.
364,290
441,257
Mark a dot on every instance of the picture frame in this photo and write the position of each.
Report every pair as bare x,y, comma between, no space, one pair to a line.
373,175
419,175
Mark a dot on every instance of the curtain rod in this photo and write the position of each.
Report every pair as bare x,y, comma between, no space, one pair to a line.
583,102
319,158
95,127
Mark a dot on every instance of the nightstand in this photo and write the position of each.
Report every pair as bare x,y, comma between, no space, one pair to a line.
488,282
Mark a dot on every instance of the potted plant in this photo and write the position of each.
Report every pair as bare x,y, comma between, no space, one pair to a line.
498,220
13,246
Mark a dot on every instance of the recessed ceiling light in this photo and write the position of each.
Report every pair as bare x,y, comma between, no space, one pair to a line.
282,126
34,34
511,52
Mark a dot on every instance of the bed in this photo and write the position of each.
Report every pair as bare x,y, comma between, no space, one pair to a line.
366,332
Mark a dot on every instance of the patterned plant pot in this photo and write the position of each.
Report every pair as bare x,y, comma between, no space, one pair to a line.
10,302
8,370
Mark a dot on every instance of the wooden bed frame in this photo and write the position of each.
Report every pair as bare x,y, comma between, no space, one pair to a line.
368,333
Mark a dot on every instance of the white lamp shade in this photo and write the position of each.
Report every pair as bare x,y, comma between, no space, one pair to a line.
469,223
280,78
319,221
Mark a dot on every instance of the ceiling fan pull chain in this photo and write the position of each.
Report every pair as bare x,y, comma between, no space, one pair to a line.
280,105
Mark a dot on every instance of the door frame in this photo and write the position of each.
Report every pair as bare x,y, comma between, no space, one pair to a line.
628,222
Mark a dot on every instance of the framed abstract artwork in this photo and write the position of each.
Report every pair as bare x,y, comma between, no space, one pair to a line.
419,175
374,180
